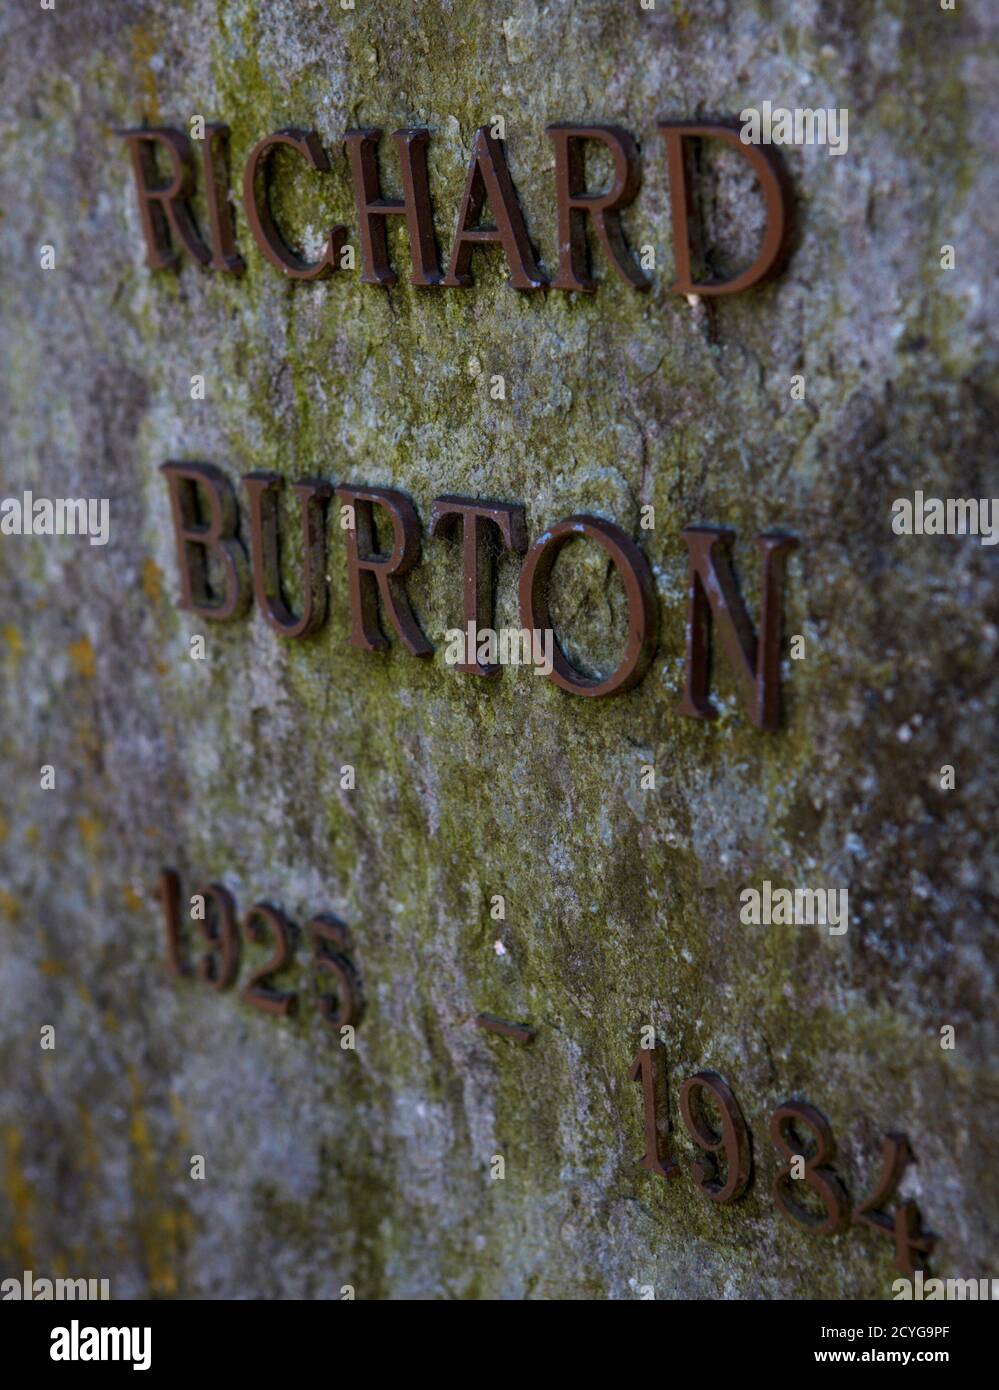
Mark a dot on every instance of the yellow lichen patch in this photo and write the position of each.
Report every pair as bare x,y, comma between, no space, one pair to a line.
31,836
138,1130
19,1196
88,1143
163,1232
4,828
179,1119
133,900
81,653
88,741
144,46
13,639
169,1230
10,909
90,831
52,968
152,581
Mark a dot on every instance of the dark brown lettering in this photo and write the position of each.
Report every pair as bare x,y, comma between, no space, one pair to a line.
221,217
258,210
165,207
261,920
733,1141
370,574
329,941
220,965
197,540
686,240
649,1067
168,892
905,1227
575,204
821,1179
489,178
478,521
373,209
712,593
262,490
639,586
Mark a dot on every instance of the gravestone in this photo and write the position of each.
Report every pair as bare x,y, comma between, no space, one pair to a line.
343,956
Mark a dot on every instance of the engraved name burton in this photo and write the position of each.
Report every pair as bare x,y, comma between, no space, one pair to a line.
218,582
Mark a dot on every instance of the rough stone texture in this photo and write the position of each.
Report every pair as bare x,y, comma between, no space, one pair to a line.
327,1167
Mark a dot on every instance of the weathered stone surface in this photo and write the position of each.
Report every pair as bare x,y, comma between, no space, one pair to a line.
325,1167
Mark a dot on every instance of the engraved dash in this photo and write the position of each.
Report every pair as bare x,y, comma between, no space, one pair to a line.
519,1032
